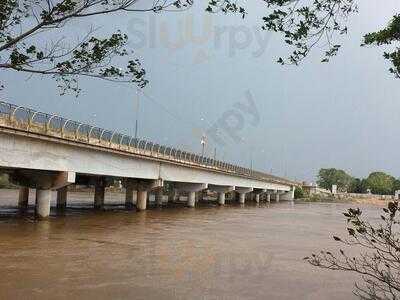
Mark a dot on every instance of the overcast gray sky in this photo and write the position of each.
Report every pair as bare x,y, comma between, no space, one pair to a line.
344,114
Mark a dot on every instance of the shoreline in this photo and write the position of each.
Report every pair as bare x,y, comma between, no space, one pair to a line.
350,200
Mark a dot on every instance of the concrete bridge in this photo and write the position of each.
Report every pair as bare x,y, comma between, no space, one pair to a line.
48,152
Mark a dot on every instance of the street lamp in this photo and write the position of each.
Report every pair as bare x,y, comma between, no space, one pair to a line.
203,142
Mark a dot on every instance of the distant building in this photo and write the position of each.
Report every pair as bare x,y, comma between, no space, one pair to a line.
312,189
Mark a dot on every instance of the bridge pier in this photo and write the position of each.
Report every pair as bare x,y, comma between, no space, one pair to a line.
251,196
23,198
43,199
142,192
45,182
172,195
149,194
191,189
274,195
242,198
191,202
221,190
129,189
268,197
99,192
289,196
167,198
62,195
159,196
257,194
221,198
199,196
242,193
141,201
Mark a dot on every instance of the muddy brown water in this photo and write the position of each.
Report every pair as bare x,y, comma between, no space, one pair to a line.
210,252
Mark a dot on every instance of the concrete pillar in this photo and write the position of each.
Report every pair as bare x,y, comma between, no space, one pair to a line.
191,201
251,196
277,197
148,198
291,194
221,198
257,198
268,197
43,198
242,198
99,191
247,197
62,198
171,195
159,196
129,188
199,196
23,197
167,200
141,201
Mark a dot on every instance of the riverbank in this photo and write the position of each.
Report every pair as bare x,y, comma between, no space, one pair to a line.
373,200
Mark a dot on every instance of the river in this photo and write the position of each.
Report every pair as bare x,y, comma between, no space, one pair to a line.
210,252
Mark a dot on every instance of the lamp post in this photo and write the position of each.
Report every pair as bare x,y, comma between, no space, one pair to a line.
203,142
251,159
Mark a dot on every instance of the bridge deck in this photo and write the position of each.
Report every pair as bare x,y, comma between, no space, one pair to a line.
27,122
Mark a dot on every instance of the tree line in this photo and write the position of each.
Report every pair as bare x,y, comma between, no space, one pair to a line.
377,182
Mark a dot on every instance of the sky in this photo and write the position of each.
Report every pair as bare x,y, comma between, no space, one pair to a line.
216,76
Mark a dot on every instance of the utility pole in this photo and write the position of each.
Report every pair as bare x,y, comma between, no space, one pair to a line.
215,153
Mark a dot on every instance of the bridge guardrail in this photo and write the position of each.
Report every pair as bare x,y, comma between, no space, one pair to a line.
26,119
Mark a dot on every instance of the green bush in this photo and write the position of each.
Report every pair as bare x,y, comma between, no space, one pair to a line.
380,183
299,193
332,176
320,198
315,198
4,183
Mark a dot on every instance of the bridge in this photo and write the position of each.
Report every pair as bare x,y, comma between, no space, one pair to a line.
47,152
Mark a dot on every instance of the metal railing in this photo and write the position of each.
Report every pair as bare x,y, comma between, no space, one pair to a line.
25,119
